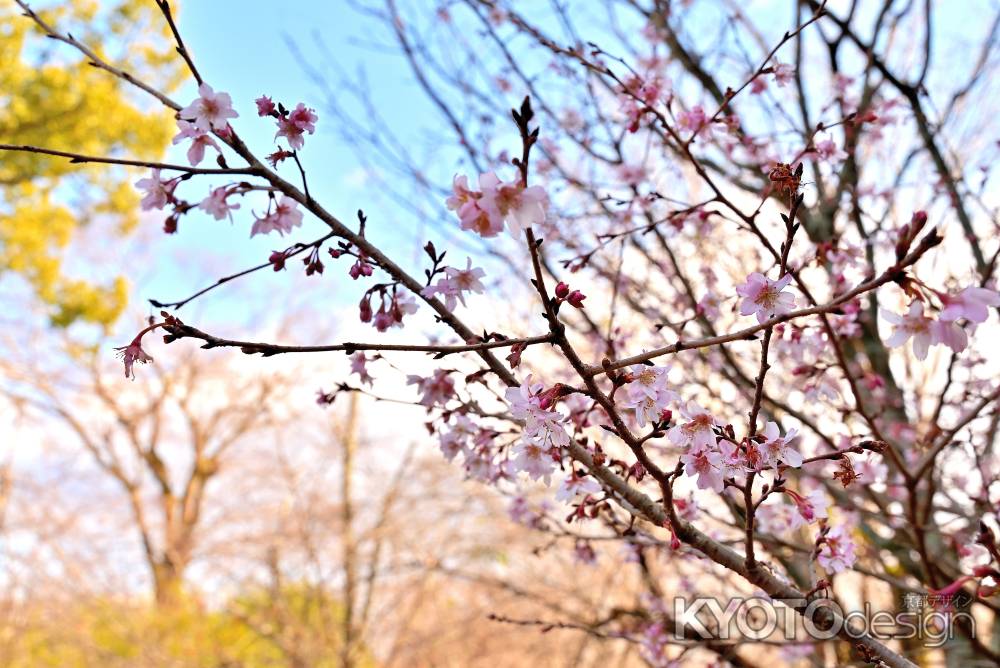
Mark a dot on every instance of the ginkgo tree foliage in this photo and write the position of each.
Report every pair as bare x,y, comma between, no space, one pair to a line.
753,280
57,98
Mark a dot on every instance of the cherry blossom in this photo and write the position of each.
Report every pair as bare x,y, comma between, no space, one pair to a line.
697,433
764,297
435,390
575,486
836,553
265,106
157,191
517,206
972,303
283,219
210,111
455,439
133,353
810,508
200,140
912,324
541,425
950,334
217,206
778,448
648,394
456,283
358,366
776,517
472,216
706,464
694,119
391,313
360,268
293,126
828,150
783,74
533,458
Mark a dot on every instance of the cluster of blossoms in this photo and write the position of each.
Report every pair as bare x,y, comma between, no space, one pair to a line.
647,394
209,114
713,459
836,547
455,283
292,125
544,433
703,456
641,95
971,304
485,211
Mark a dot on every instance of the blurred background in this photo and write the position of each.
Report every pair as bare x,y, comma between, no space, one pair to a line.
210,513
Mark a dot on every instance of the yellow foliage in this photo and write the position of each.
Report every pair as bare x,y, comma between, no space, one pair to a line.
51,97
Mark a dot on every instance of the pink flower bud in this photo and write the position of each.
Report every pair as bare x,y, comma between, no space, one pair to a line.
366,309
576,298
562,290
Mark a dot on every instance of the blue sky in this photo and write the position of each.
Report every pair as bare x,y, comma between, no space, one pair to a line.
241,47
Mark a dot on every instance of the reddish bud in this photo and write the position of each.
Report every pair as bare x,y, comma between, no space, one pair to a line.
562,290
366,309
576,298
277,260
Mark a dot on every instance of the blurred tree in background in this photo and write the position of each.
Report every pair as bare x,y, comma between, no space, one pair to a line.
46,202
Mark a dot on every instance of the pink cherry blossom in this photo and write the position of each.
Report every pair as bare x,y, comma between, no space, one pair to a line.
837,551
358,362
265,105
217,206
283,219
706,465
456,283
912,324
972,303
517,206
828,150
133,353
157,191
542,426
697,433
778,448
950,334
434,390
694,119
210,111
810,508
533,458
783,74
299,121
575,486
764,297
200,140
648,394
